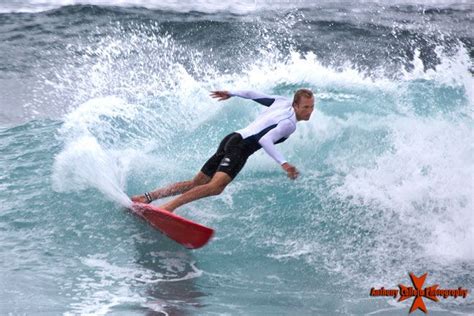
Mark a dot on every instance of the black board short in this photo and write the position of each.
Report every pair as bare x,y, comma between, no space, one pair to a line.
230,157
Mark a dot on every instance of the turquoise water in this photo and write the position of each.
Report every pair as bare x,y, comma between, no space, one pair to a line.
99,103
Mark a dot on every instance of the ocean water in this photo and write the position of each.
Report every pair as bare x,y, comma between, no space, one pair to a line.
100,100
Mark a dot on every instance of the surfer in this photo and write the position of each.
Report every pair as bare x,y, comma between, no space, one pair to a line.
271,127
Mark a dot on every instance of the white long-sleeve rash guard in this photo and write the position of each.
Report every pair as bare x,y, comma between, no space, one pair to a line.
271,127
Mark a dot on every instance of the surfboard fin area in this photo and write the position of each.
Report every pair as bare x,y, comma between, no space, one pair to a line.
184,231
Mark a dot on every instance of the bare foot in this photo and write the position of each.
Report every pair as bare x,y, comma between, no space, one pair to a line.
165,207
140,199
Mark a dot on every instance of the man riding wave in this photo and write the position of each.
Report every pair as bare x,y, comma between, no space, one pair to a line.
271,127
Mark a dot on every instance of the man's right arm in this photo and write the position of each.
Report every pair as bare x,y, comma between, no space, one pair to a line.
259,97
283,130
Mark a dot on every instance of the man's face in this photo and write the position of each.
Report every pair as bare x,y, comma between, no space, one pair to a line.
304,108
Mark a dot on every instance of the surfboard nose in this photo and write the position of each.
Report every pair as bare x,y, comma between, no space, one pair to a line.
184,231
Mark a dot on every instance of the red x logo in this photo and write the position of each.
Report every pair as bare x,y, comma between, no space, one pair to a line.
418,292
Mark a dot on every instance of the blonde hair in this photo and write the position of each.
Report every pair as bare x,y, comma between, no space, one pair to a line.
302,93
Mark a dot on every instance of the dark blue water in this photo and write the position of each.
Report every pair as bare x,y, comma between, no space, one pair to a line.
99,102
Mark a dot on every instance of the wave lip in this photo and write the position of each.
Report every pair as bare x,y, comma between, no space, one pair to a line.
204,6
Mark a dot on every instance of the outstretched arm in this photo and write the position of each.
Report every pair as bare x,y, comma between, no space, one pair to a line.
259,97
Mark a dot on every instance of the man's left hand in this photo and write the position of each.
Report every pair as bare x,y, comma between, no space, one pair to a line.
291,171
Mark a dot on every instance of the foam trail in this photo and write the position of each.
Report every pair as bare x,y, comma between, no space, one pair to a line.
89,159
83,163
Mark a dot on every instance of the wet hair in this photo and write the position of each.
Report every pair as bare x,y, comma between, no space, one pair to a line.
302,93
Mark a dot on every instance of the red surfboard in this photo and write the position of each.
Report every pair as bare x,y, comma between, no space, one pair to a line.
184,231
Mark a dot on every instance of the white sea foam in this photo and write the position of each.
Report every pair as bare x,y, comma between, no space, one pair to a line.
426,178
400,166
84,162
